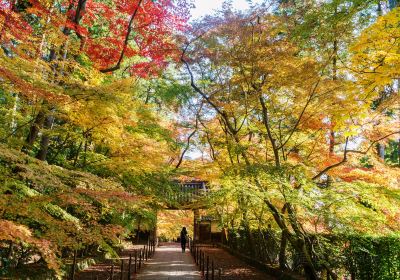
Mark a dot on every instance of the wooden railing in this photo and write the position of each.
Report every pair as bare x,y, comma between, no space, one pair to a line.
122,268
205,262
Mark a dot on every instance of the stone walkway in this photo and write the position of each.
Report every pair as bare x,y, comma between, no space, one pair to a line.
170,263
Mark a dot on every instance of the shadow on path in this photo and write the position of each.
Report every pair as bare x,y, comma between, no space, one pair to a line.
170,263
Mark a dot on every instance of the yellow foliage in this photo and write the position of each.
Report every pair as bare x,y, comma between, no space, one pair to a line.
376,54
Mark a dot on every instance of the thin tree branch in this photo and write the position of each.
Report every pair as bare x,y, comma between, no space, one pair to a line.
16,129
372,143
344,159
187,145
197,89
301,115
128,33
266,124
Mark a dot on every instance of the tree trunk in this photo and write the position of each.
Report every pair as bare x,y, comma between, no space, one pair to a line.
297,240
250,237
381,150
85,153
282,250
76,157
334,78
10,250
34,131
14,113
59,148
138,233
44,143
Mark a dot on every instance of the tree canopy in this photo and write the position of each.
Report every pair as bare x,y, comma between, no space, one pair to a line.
289,111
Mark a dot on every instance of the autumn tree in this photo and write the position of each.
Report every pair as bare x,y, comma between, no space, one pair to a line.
270,130
68,42
72,79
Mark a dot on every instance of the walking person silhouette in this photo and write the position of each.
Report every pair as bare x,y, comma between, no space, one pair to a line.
183,239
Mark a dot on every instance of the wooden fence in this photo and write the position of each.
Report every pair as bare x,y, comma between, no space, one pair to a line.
122,268
205,262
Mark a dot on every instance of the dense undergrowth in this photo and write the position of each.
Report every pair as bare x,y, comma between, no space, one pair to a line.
48,212
358,256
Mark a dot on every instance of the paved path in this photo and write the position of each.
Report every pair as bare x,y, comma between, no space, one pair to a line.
170,263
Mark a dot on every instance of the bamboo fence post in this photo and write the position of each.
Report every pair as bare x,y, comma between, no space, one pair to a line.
212,269
73,268
135,261
203,262
112,271
207,268
140,258
122,269
130,267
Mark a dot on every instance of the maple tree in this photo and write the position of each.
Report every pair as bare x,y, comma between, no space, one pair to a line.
72,77
292,108
274,107
69,43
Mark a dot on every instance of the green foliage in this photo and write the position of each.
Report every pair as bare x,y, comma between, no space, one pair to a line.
363,257
392,153
65,209
370,257
167,92
366,162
